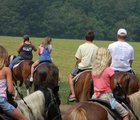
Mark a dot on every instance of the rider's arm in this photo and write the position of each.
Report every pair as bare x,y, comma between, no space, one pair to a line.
78,61
19,48
39,50
9,80
131,61
34,48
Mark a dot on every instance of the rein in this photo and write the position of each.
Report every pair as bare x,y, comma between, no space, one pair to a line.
23,99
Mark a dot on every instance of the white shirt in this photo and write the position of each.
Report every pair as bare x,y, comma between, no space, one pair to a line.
121,53
86,53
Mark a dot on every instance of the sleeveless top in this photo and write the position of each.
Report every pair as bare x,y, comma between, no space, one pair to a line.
26,51
45,55
3,87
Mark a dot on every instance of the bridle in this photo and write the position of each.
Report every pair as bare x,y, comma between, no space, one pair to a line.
50,104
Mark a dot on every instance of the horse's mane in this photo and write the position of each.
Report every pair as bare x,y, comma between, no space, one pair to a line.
36,102
78,114
134,103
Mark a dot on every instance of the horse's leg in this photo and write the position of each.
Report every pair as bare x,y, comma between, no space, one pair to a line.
15,89
28,86
18,90
19,87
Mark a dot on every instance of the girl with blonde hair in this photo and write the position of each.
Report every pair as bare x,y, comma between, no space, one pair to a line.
6,84
44,51
101,75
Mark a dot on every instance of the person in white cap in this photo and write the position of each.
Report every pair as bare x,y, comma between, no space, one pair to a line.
122,53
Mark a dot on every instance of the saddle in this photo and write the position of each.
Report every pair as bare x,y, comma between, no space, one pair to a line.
107,106
113,112
75,78
41,63
17,64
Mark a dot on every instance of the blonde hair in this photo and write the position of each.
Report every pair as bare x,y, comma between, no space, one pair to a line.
46,41
78,114
103,60
3,56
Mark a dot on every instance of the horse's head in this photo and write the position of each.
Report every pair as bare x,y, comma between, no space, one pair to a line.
119,93
128,83
52,111
120,85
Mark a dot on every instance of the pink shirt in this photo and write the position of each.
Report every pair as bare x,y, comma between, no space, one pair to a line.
102,83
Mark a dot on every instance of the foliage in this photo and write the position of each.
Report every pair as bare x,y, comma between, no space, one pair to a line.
69,18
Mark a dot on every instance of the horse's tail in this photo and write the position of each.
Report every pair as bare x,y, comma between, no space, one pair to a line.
78,114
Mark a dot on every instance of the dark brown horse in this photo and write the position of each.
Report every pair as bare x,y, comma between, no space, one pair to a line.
21,72
83,84
47,75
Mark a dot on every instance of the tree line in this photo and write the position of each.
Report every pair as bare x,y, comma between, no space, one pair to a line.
70,18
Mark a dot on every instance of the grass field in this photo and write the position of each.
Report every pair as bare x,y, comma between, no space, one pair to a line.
63,56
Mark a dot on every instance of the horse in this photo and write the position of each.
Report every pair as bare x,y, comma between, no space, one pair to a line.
21,72
83,84
47,74
90,110
133,100
39,105
87,111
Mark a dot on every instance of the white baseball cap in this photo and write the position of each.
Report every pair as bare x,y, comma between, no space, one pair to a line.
122,32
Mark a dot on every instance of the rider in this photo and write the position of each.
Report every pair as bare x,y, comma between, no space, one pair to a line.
101,75
85,57
24,51
44,51
6,84
122,53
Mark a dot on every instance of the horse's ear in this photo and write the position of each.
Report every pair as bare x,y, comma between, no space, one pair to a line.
56,89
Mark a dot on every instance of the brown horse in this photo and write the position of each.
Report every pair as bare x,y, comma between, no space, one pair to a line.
86,111
83,84
21,72
95,111
47,75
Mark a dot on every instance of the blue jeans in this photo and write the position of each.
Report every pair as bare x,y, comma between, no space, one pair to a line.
6,107
15,61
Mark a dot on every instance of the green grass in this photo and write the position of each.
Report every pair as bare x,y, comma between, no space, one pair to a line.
63,56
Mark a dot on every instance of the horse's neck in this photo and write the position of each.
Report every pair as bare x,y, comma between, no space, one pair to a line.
36,103
134,103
